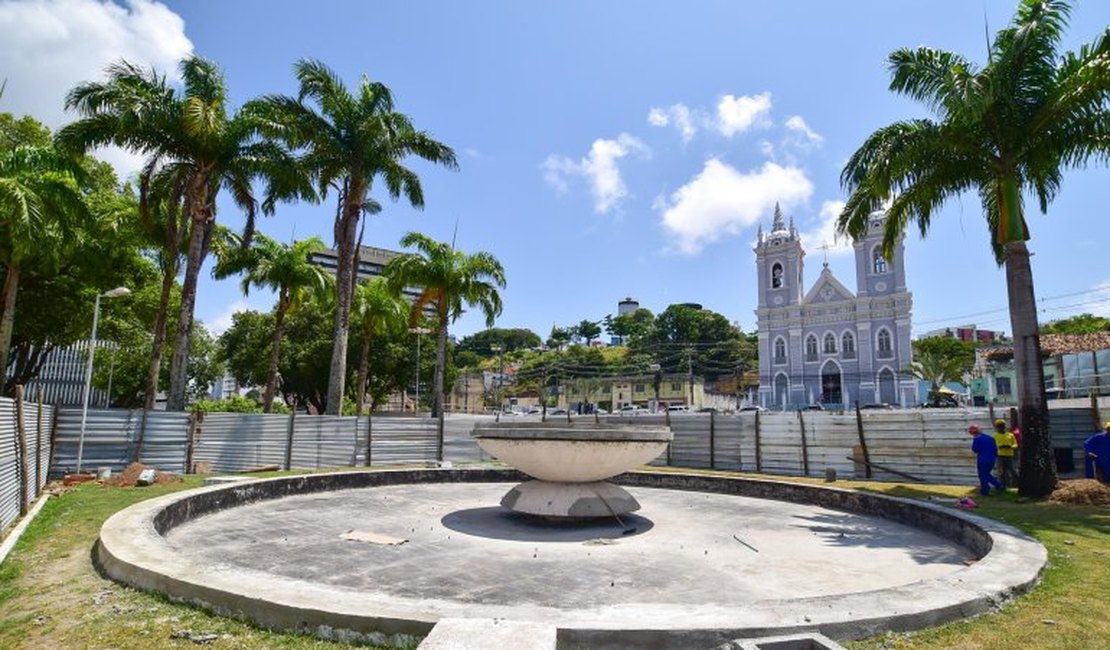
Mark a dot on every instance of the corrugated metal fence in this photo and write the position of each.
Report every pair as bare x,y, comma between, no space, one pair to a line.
24,456
231,442
930,445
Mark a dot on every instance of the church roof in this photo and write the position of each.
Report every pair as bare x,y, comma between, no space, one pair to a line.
827,289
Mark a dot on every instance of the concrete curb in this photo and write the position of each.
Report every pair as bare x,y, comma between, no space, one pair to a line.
13,537
132,549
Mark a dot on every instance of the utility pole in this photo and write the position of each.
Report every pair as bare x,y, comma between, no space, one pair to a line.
500,374
690,373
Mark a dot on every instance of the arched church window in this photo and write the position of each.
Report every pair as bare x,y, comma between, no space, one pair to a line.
879,260
848,346
885,347
830,344
811,348
780,351
776,276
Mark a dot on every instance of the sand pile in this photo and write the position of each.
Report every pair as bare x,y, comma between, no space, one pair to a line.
1083,492
130,476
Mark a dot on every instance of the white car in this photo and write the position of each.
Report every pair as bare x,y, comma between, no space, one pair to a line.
629,409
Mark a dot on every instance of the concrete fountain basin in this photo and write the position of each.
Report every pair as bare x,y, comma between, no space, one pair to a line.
570,462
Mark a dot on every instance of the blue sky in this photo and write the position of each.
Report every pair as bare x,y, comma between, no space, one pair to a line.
607,149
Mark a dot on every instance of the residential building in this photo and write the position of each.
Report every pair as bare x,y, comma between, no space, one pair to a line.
829,345
1075,365
639,390
371,263
968,334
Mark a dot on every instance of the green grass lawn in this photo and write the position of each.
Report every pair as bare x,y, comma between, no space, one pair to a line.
52,597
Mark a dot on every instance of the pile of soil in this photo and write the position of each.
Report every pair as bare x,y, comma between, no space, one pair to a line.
1081,492
130,477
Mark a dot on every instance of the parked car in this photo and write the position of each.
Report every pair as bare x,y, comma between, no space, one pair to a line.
707,409
601,411
811,407
629,409
882,405
678,408
556,411
749,409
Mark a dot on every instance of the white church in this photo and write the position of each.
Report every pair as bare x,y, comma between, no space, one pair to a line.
828,346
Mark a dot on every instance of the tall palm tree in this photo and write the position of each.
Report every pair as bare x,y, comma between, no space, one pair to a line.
349,140
378,309
283,268
449,280
1001,129
40,202
192,131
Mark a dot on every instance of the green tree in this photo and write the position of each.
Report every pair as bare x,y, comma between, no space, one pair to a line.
587,330
961,353
687,339
630,327
510,340
190,136
450,280
558,338
1080,324
378,311
350,140
936,368
41,203
1009,126
282,268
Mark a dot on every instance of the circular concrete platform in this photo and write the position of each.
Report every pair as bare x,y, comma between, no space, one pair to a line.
382,555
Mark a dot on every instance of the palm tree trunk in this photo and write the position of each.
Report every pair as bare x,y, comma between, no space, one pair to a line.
1038,468
363,373
7,318
201,215
151,389
344,274
275,351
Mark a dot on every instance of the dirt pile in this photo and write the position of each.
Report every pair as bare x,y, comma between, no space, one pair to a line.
130,477
1081,492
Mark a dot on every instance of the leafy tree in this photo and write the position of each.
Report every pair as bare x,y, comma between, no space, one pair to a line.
630,327
587,330
1011,125
960,353
1080,324
450,280
283,268
42,205
558,338
510,340
378,312
685,339
935,367
189,136
350,140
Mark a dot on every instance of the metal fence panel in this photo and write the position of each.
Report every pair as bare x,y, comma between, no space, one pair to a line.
9,465
233,442
108,440
164,442
400,440
324,441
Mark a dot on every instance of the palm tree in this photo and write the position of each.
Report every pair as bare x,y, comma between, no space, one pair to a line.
377,310
1008,127
40,202
283,268
349,141
935,368
449,280
191,132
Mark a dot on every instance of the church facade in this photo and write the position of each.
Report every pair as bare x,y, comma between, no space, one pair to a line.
827,345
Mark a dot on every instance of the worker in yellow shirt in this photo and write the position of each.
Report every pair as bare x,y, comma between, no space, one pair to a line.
1007,447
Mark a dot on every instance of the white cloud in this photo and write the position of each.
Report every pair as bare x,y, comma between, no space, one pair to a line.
796,124
599,169
739,114
824,232
49,46
680,115
222,321
721,200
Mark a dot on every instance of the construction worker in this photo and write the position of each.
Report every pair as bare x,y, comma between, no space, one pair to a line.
986,453
1098,455
1007,447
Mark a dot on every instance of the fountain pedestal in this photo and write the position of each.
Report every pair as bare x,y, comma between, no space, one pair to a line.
570,463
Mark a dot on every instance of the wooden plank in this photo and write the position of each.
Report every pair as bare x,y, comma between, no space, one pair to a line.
21,454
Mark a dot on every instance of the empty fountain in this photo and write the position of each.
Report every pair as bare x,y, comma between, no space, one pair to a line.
569,463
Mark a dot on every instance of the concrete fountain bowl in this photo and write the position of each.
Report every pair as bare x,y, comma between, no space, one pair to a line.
569,463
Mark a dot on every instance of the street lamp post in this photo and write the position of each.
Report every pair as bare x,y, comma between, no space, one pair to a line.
418,331
118,292
500,376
